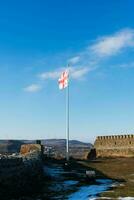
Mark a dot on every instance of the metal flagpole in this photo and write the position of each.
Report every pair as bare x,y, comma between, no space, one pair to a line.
67,118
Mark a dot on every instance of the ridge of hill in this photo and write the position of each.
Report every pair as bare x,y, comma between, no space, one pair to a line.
77,149
57,147
62,142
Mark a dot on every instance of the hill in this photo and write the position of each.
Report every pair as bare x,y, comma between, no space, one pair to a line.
10,146
52,147
62,142
77,148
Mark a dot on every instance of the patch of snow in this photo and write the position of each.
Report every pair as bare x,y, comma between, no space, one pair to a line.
90,192
131,174
121,185
101,198
70,183
126,198
104,181
116,185
62,186
107,191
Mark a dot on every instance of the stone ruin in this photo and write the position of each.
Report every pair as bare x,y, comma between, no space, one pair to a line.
114,146
21,173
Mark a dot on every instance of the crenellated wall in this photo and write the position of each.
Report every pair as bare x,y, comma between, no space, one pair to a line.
114,146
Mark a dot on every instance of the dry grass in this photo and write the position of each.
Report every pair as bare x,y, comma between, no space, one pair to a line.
121,169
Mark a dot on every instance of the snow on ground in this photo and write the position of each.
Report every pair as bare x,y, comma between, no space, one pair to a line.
104,181
59,184
63,186
126,198
69,183
90,192
85,192
106,198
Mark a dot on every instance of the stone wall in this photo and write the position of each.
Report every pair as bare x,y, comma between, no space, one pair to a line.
114,146
21,174
28,148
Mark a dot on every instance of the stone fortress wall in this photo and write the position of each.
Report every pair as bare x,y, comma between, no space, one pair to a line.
21,173
114,146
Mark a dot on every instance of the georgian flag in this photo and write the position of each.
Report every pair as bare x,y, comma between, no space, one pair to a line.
63,80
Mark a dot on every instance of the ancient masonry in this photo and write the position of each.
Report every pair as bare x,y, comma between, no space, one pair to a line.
21,174
114,146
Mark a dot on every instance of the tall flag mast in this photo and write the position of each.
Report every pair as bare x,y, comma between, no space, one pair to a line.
64,83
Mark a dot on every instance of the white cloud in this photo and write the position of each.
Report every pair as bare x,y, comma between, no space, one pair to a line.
50,75
102,48
33,88
111,45
74,60
90,58
78,73
126,65
75,73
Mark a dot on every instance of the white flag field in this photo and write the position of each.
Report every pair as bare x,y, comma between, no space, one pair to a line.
63,80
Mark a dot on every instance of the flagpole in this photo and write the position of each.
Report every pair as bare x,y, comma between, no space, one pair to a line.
67,118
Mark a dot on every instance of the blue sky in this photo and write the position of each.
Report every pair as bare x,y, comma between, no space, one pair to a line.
38,39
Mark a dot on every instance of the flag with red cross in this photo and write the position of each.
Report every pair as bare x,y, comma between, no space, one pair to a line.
63,80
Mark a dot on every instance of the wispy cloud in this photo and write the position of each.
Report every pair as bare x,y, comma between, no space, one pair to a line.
79,73
126,65
90,58
33,88
74,60
50,75
75,73
111,45
104,47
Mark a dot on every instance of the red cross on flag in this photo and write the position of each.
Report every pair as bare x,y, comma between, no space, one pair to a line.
63,80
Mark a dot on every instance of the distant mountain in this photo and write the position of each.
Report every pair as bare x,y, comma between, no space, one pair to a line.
10,146
62,142
77,148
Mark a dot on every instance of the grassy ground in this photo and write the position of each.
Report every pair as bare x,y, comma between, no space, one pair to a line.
121,169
